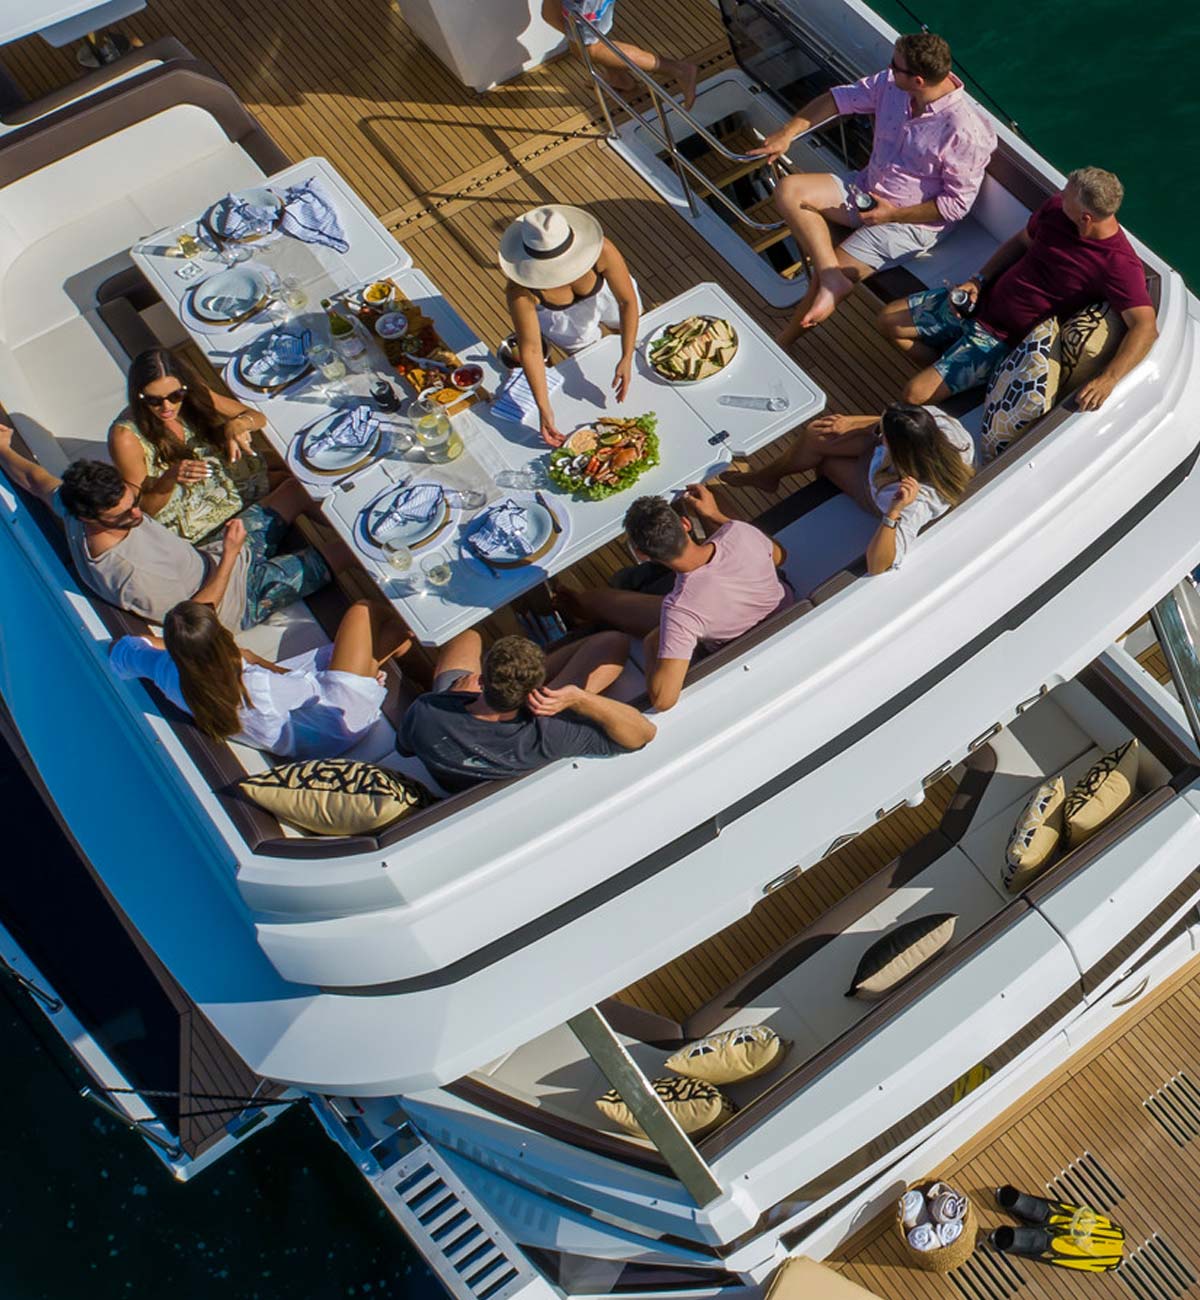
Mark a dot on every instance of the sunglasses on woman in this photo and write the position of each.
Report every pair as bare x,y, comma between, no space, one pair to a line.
173,398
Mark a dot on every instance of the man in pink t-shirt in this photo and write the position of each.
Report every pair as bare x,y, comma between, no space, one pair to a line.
723,587
1071,253
928,157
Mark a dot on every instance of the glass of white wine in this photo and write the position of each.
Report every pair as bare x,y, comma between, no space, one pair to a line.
399,556
330,365
436,568
187,244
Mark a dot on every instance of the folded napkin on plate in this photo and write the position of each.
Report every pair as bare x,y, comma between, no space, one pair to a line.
235,218
309,215
353,428
923,1237
281,350
515,400
415,505
502,530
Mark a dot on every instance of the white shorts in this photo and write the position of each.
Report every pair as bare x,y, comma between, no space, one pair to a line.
878,246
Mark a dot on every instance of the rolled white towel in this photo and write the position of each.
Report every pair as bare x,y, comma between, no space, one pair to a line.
924,1237
949,1207
912,1208
947,1233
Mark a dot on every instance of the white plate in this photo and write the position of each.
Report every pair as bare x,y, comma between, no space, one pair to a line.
683,383
224,297
259,197
412,533
539,529
332,460
277,377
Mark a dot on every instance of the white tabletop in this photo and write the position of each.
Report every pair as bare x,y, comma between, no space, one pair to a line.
20,18
690,422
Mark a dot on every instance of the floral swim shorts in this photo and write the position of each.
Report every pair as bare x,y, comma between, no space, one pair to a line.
275,580
970,353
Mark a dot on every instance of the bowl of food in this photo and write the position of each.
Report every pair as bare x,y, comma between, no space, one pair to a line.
380,295
468,377
392,325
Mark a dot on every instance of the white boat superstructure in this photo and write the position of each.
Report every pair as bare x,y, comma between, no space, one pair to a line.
454,994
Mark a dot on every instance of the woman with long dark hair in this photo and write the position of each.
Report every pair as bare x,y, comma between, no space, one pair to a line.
314,705
907,467
187,447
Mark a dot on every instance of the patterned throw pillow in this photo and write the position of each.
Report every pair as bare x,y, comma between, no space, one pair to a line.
730,1056
900,953
335,796
1035,836
1023,389
1101,793
1088,340
697,1106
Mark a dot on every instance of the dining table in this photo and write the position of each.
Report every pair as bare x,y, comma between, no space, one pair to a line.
72,18
448,583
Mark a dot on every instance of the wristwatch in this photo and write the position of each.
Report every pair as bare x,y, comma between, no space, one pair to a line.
889,522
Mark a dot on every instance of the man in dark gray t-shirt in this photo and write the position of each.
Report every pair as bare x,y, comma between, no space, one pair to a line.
495,716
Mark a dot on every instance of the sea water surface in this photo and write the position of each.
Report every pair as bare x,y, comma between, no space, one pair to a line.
85,1210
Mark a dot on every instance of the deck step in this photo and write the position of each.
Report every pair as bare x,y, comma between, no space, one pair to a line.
472,1256
721,171
760,240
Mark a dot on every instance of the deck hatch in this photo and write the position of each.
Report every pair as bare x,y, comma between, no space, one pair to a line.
1157,1270
1085,1181
1175,1107
988,1275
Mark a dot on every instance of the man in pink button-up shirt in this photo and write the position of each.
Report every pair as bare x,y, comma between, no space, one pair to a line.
930,150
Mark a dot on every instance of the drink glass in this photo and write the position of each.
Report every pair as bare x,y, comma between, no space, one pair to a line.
330,365
232,254
188,245
436,568
399,556
523,480
779,400
470,498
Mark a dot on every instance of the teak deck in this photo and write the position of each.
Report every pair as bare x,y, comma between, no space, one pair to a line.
1115,1128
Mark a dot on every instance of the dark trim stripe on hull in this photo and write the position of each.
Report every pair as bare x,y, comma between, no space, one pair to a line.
707,831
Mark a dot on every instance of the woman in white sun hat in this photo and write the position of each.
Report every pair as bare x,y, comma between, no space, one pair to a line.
565,281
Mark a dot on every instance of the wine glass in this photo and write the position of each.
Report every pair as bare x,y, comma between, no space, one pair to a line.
399,556
470,498
232,254
331,367
777,399
187,244
436,568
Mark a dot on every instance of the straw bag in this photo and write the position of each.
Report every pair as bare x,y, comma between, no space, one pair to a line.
945,1258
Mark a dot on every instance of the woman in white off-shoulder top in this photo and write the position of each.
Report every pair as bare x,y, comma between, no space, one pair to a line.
315,705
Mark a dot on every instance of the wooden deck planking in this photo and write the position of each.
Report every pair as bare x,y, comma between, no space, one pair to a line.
1094,1104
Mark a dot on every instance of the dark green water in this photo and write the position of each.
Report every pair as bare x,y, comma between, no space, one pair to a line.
85,1210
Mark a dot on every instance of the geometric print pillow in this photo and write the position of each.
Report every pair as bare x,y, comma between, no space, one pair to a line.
696,1106
730,1056
1107,786
1087,341
335,796
1023,389
1035,836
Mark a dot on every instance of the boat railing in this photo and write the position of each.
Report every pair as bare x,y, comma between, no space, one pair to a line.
683,166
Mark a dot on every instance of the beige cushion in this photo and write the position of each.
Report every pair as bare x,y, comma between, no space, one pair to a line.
697,1106
1035,836
804,1279
1101,793
730,1056
1022,390
1087,342
900,953
335,796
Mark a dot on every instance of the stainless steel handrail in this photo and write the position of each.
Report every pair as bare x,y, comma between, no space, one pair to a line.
658,94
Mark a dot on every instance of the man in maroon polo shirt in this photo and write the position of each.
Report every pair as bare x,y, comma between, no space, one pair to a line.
1072,253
